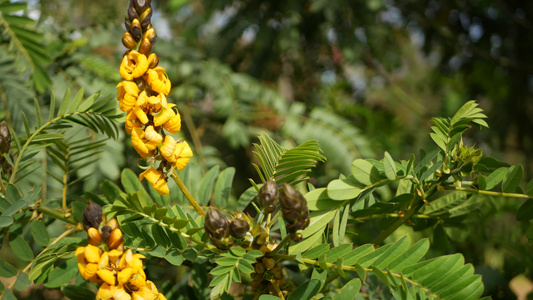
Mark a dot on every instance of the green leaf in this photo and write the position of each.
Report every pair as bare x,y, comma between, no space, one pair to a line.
75,292
62,274
223,187
495,177
268,297
206,185
353,257
343,189
365,172
409,257
76,102
512,179
318,199
306,291
10,7
389,166
64,104
39,233
22,282
7,270
316,251
525,212
174,257
5,221
160,236
20,247
8,295
394,251
318,221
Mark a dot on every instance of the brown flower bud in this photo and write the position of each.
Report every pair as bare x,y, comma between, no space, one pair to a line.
153,61
145,47
105,231
238,228
5,138
259,268
150,35
141,5
94,236
135,29
294,209
127,24
146,18
216,224
92,217
132,14
268,196
115,239
128,41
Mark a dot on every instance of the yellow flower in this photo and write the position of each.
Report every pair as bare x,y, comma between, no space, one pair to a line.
165,115
110,292
145,141
128,91
134,65
156,179
148,291
149,105
177,153
88,259
174,124
104,271
158,80
132,122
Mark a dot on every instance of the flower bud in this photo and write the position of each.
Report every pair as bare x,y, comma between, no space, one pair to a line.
145,47
94,236
121,247
127,24
150,35
92,217
128,41
153,61
113,223
141,5
5,138
268,196
115,239
135,29
294,209
132,14
239,227
106,231
146,18
216,224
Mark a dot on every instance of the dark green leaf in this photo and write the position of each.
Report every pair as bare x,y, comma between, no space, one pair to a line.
62,274
223,187
22,282
75,292
306,291
512,179
365,172
21,248
39,232
495,177
206,185
7,270
343,189
389,166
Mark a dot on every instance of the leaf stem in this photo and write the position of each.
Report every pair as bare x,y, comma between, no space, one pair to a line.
188,195
491,193
282,244
56,214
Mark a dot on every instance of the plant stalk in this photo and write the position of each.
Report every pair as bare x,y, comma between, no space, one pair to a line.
188,195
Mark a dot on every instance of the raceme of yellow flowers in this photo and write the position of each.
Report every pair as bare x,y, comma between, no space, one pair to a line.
143,96
103,261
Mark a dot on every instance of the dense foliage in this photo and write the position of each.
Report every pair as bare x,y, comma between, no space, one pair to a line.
327,106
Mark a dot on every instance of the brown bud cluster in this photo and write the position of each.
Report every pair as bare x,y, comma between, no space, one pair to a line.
98,233
140,33
267,271
217,226
293,208
268,196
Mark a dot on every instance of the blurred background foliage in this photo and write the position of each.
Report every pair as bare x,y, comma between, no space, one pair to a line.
360,77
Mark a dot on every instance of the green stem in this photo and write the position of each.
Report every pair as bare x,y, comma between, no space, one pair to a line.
56,214
491,193
389,230
188,195
351,268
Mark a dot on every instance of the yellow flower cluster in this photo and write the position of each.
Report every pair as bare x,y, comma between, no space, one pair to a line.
143,96
120,274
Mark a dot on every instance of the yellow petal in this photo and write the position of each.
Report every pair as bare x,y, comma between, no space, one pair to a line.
138,144
80,254
107,276
158,80
134,65
152,136
105,292
167,148
114,255
173,125
140,114
104,261
124,275
183,154
162,118
90,271
159,183
92,254
120,294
